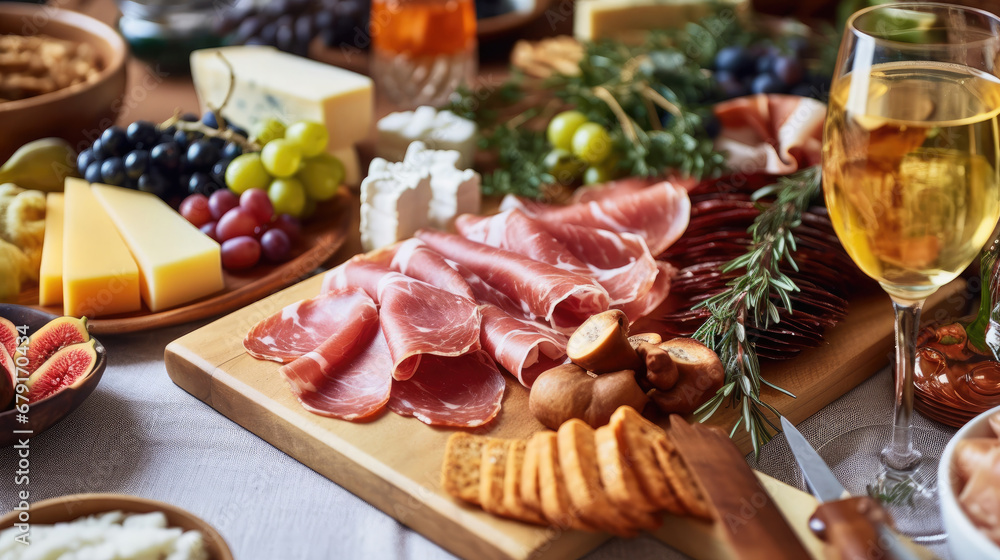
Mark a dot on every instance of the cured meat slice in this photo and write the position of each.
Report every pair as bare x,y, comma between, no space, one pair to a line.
565,299
417,318
342,378
522,346
776,134
464,391
659,213
656,295
302,326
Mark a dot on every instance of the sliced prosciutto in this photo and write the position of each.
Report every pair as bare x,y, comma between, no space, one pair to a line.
464,391
656,295
301,327
417,318
342,378
776,134
659,214
415,259
524,348
563,298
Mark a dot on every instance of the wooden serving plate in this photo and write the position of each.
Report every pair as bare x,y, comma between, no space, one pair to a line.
320,239
394,462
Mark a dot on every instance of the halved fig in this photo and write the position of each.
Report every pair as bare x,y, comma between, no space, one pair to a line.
700,375
7,378
54,336
650,337
8,336
601,344
66,368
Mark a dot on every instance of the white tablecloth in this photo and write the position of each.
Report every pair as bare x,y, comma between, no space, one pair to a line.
140,434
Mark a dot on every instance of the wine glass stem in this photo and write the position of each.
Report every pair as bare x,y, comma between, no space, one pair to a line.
900,454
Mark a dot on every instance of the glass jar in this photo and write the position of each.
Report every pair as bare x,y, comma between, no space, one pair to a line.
164,32
422,50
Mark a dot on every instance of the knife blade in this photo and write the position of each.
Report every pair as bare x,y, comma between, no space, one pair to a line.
854,527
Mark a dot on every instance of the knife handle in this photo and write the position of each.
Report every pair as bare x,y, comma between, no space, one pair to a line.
855,529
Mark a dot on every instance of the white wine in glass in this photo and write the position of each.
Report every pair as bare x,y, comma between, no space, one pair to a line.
911,176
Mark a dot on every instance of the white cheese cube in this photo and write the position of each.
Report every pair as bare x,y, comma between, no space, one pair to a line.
442,130
395,203
455,191
268,83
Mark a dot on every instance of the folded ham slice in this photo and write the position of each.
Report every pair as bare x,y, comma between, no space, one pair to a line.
464,391
563,298
416,317
658,214
776,134
415,259
302,326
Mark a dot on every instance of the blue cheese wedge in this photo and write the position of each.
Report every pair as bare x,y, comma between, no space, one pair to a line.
268,83
395,203
454,191
438,130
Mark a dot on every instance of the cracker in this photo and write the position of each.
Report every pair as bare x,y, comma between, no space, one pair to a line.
460,471
635,437
530,492
679,476
512,502
492,468
620,483
556,505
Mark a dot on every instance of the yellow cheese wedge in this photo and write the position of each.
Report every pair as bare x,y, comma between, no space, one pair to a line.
99,275
50,277
177,263
628,20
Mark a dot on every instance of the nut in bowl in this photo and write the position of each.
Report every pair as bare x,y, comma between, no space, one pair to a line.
62,374
969,486
66,509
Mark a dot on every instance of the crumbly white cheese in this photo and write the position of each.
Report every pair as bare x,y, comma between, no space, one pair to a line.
439,130
395,203
106,536
455,191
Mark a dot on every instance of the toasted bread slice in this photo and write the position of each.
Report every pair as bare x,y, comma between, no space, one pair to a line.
676,471
512,502
460,471
635,437
578,460
531,494
556,505
492,469
620,483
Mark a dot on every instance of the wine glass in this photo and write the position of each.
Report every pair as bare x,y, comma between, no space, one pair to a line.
911,153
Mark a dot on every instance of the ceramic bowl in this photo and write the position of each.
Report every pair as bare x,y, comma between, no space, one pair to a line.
77,113
964,539
68,508
45,413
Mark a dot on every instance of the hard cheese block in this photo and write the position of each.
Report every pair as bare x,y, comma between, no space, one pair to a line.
625,20
177,263
100,276
50,277
268,83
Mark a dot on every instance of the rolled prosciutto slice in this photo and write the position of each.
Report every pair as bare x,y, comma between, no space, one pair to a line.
302,326
464,391
346,378
659,214
563,298
415,259
417,318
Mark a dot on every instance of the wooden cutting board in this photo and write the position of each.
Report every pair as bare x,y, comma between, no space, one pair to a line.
394,462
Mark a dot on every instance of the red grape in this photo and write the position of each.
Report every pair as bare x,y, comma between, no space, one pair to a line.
195,210
222,201
240,252
235,223
208,229
258,204
289,225
276,244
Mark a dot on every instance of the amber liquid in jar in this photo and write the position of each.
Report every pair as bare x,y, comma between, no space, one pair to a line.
422,49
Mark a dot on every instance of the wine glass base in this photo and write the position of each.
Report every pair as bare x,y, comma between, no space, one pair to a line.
910,496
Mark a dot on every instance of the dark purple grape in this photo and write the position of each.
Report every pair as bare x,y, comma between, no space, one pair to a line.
298,6
806,90
200,183
142,134
136,163
166,157
712,125
155,183
219,170
284,37
789,70
181,138
98,150
276,245
190,117
735,60
730,85
209,120
765,63
84,159
799,46
268,34
114,141
202,154
323,19
274,9
304,26
113,171
231,150
767,83
248,28
239,131
93,172
231,18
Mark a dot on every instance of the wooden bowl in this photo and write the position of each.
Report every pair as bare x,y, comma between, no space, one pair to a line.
68,508
77,113
45,413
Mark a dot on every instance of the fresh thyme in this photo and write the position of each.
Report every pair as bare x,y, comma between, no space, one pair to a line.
749,302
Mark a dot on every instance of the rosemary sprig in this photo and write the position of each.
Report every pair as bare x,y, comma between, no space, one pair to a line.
749,301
